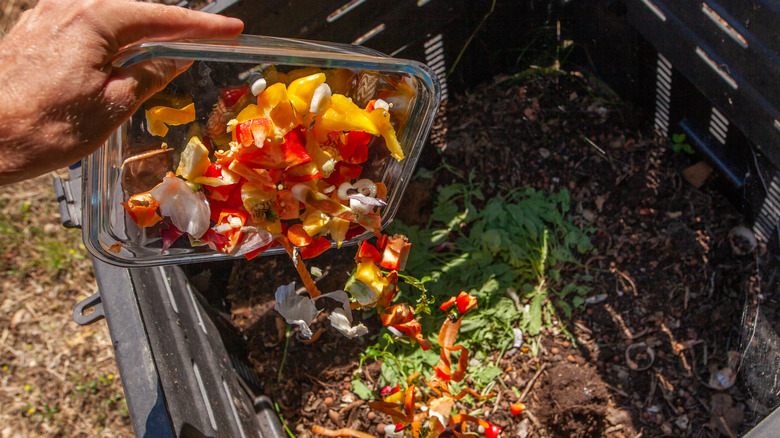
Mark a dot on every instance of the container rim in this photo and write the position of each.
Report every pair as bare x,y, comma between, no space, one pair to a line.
260,50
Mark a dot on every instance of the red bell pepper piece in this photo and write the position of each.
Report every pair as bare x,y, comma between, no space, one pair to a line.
142,208
252,254
396,252
387,390
414,330
354,231
517,408
315,248
397,314
492,431
234,235
286,206
253,132
344,172
298,236
218,193
358,142
381,242
231,95
369,252
441,374
285,155
233,201
463,302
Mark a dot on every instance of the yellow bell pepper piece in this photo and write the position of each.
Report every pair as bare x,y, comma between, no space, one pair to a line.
381,119
159,117
300,91
314,221
194,160
271,97
274,104
338,230
345,115
369,274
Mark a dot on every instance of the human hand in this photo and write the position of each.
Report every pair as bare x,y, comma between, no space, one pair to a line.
61,96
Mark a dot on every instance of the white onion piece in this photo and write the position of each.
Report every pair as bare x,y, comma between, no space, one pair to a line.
365,187
296,309
339,319
189,211
328,190
299,191
221,229
321,99
381,104
258,86
367,200
343,192
364,204
252,240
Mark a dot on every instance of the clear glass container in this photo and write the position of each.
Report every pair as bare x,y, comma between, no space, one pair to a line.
109,232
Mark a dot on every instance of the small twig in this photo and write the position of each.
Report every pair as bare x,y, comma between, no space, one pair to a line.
531,383
619,321
726,426
533,418
627,278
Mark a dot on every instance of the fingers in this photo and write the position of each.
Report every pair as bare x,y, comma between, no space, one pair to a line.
145,21
128,87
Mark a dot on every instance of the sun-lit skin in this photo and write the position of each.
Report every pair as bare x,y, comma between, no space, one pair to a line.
61,96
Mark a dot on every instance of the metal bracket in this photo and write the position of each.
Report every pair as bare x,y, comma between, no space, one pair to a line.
68,195
93,302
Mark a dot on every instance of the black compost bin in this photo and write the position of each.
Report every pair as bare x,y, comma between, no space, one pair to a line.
708,69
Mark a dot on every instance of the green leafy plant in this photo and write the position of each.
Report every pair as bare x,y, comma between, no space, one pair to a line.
679,144
518,241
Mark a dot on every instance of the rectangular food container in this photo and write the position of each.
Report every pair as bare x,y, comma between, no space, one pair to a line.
109,232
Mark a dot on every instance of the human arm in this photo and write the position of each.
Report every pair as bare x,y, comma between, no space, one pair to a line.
61,97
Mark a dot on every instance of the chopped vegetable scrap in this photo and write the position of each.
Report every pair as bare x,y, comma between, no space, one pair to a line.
284,164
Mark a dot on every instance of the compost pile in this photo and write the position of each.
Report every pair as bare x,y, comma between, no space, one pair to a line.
654,347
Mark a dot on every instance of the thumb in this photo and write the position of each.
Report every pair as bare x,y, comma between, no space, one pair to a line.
128,87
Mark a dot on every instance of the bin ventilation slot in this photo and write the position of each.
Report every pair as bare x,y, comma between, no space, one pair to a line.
663,95
370,34
717,68
197,310
205,396
233,409
724,25
655,9
769,215
719,126
434,57
167,283
343,10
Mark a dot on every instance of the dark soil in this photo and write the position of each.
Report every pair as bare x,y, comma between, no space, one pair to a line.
669,290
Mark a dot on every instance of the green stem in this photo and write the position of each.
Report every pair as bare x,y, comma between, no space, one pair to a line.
284,355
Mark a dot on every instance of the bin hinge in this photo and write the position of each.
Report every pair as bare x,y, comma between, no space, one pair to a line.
68,193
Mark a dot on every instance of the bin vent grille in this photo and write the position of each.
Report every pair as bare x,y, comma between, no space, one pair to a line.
663,96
